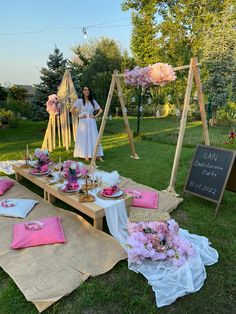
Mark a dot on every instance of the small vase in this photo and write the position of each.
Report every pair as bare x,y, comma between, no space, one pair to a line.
72,178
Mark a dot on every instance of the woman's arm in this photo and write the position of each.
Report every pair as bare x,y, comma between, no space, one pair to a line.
100,111
75,109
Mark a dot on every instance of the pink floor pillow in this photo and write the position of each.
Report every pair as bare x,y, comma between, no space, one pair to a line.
5,184
37,232
143,198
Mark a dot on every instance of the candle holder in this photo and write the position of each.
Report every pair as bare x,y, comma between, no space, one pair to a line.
85,188
26,159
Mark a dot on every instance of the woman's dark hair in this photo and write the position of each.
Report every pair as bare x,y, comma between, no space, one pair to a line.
90,96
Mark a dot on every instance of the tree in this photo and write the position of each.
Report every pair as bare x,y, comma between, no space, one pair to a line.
180,34
97,61
17,93
144,42
219,57
3,93
50,80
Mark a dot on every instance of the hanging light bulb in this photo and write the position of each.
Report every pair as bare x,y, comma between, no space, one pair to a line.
84,32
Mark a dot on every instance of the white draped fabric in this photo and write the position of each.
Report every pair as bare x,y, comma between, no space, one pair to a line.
168,282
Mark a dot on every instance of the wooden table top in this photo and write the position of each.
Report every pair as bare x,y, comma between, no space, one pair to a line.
90,208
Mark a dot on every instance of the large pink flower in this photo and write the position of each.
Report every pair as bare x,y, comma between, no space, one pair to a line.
161,74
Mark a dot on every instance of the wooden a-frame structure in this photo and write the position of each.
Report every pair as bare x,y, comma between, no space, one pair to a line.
62,128
114,82
194,72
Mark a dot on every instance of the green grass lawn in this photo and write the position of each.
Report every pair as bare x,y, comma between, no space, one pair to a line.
121,290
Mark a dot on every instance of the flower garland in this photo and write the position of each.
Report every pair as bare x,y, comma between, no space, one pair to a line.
156,74
157,240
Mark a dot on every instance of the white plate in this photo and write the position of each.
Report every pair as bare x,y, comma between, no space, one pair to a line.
69,191
39,173
116,194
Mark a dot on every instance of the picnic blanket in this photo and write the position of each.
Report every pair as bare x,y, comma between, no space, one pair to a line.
44,274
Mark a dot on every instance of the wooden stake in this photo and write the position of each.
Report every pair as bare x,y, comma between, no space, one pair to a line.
59,130
201,101
130,135
102,126
171,188
54,132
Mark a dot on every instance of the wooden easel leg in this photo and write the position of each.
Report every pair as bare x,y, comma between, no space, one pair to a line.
201,101
170,188
129,133
104,118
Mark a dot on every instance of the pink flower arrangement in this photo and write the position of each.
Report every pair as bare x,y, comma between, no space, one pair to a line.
42,155
157,240
156,74
53,105
161,74
43,160
70,167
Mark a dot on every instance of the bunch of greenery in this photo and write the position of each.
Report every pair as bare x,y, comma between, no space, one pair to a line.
8,117
227,115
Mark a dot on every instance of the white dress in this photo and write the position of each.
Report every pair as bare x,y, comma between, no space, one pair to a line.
87,131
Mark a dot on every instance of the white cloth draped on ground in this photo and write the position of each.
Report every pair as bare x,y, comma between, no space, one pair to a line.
168,282
6,165
87,131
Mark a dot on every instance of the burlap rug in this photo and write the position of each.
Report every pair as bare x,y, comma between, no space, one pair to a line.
45,274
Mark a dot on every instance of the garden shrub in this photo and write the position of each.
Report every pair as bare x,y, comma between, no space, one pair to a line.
22,108
227,115
8,117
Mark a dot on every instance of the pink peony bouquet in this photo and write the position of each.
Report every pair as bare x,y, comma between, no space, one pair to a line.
42,155
43,159
156,74
157,240
71,167
53,105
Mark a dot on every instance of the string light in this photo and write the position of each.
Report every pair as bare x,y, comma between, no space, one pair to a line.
84,32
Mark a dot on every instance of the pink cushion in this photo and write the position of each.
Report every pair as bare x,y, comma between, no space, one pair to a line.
5,184
143,198
52,232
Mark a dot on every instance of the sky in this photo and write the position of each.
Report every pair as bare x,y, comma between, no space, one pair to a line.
30,29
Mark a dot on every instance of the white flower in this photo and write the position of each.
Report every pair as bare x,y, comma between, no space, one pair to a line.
73,166
45,151
37,150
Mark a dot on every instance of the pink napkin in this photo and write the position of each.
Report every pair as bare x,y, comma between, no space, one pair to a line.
143,198
5,184
70,187
109,191
44,168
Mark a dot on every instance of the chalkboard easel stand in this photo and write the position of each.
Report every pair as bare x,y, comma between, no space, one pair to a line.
215,161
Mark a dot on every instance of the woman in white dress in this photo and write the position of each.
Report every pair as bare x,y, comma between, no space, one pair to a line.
87,131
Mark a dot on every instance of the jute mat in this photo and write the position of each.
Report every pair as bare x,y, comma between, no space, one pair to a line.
45,274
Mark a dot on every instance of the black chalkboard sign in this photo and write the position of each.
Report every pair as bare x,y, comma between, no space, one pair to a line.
210,171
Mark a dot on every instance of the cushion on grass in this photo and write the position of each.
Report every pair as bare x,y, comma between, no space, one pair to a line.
143,198
16,207
52,232
5,184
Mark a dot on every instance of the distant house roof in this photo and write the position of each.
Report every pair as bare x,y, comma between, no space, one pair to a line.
30,89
